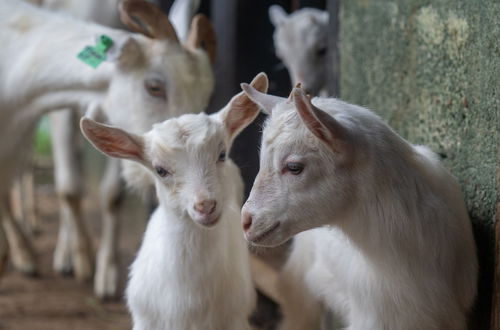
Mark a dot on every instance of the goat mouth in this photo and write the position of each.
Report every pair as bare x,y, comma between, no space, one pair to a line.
209,222
265,234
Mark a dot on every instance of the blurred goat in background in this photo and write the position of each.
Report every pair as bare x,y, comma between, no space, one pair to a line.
300,41
155,71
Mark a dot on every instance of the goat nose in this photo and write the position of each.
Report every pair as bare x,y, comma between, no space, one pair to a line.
206,206
246,221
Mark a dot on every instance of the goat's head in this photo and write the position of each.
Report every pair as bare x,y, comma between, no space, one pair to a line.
300,40
158,77
186,155
305,178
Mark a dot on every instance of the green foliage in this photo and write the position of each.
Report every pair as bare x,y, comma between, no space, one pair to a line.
43,144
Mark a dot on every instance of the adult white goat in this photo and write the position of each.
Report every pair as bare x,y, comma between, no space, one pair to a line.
300,41
68,172
382,233
148,78
186,276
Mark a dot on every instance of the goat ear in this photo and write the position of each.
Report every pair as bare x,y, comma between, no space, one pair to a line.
181,15
113,141
265,101
146,18
325,16
277,15
321,124
241,111
126,53
202,35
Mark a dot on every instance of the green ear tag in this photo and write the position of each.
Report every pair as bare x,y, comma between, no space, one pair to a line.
95,55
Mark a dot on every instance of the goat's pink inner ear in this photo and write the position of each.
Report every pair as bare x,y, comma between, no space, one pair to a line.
241,110
265,101
112,141
202,34
146,18
306,112
321,124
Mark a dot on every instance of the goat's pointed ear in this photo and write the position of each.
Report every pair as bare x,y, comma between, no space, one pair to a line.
113,141
147,18
202,35
277,15
241,111
325,17
265,101
320,123
181,14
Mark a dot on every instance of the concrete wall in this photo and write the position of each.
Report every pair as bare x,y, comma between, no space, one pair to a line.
431,69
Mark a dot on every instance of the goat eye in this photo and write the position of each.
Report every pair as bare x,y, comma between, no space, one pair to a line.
161,171
321,52
294,168
155,88
222,156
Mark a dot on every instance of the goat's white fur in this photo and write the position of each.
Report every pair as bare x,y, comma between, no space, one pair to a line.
52,78
382,234
181,13
300,41
185,275
67,170
104,12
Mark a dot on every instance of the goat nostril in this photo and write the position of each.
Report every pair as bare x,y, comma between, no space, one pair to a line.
206,206
212,208
246,221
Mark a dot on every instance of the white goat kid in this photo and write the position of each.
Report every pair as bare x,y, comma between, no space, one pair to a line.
384,239
300,41
186,276
149,77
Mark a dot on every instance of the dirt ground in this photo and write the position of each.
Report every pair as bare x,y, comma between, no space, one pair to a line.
50,301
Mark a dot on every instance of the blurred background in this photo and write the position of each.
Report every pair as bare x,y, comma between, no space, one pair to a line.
430,69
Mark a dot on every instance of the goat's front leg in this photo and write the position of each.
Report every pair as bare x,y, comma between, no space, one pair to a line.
74,247
4,248
22,196
30,216
21,252
106,281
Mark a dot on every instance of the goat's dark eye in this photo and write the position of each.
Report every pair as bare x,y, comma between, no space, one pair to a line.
294,168
156,88
321,52
161,171
222,156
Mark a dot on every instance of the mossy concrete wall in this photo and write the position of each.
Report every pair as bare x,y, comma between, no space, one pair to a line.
431,69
